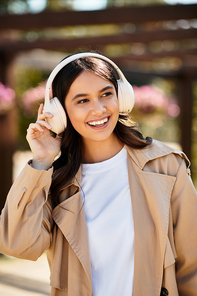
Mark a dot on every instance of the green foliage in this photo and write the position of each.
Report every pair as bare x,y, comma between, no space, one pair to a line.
159,126
27,78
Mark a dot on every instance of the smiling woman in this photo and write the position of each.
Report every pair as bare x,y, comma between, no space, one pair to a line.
116,212
94,115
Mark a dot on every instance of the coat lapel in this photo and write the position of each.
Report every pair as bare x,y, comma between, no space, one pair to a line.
151,215
70,217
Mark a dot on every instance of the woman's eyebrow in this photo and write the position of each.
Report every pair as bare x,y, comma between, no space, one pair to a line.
106,88
79,96
85,95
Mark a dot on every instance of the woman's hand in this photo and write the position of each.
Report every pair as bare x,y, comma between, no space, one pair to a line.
43,146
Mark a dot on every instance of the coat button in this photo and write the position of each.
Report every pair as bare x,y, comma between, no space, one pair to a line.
164,292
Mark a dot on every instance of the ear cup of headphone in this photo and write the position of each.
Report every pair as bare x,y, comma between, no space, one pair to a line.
125,96
59,120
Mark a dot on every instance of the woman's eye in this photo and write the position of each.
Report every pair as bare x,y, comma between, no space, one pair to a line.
82,101
107,94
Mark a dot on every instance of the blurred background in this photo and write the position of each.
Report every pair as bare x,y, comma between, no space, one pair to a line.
154,42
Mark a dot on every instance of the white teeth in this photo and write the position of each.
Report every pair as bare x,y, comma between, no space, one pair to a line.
98,122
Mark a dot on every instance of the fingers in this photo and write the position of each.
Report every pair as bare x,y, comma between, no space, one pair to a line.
38,126
34,127
41,119
40,109
43,116
44,123
41,122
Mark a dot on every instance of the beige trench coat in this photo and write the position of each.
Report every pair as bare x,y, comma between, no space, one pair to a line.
165,223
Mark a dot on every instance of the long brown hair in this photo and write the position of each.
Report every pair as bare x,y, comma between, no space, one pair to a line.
67,165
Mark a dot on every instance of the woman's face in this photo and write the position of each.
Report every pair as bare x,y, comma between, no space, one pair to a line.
92,106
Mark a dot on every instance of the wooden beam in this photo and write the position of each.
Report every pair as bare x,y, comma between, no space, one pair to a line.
132,74
129,14
149,56
97,42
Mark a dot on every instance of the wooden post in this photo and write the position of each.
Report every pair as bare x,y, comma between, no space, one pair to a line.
7,132
186,105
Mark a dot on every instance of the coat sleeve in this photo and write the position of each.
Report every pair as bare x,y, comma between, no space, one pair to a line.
25,221
184,211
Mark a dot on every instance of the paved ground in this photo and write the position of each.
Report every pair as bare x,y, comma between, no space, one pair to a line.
24,278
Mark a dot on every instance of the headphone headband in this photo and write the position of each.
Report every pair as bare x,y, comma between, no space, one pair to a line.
71,59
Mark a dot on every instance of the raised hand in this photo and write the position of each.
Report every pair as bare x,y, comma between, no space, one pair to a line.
43,146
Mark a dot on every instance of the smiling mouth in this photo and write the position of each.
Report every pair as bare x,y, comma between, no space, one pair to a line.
98,122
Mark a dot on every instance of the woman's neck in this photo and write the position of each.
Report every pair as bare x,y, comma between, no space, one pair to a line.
97,151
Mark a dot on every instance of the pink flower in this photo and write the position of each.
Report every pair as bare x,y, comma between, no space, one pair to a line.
150,98
7,96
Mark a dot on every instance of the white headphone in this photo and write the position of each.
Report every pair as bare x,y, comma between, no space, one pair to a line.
59,121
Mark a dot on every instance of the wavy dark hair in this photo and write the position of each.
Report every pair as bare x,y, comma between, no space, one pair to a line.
67,165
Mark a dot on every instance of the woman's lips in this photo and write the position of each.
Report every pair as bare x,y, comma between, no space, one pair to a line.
98,123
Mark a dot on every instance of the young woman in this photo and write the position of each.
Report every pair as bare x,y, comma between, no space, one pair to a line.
115,212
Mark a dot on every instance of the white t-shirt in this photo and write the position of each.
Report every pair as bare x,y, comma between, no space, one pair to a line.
108,210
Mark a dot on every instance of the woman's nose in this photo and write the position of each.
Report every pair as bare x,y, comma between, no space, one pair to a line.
98,108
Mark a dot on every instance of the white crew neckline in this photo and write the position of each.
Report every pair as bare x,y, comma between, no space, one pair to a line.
105,165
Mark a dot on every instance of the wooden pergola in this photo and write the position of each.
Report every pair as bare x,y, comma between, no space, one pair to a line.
152,25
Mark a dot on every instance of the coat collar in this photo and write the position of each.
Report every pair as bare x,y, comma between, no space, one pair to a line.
140,157
155,150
